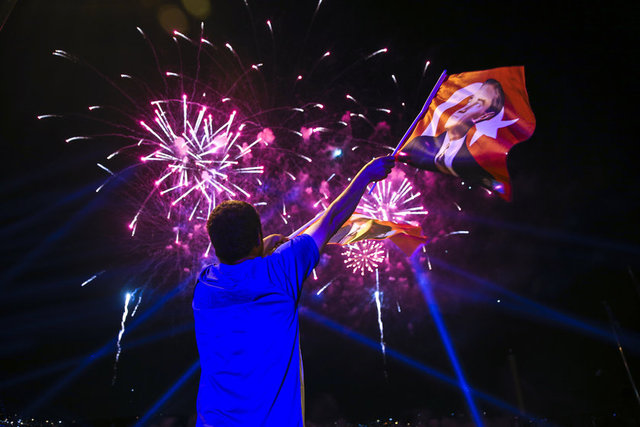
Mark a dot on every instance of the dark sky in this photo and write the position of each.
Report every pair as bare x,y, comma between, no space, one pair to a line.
567,243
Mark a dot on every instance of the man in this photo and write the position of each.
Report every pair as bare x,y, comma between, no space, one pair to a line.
448,152
246,311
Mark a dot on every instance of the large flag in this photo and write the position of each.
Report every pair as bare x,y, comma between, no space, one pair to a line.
470,126
359,227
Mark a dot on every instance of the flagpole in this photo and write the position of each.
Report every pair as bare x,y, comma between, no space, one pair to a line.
432,95
424,109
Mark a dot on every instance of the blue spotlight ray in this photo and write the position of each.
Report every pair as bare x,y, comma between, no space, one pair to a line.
46,211
522,305
167,395
68,363
425,286
404,359
52,238
101,352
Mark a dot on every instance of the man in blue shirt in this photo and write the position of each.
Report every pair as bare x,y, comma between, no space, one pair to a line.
246,311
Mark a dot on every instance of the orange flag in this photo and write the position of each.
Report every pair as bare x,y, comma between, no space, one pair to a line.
470,126
359,227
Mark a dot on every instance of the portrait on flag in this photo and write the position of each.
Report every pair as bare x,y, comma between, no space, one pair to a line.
470,126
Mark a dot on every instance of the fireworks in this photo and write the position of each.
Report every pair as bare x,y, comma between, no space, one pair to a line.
364,256
195,142
392,202
198,142
201,156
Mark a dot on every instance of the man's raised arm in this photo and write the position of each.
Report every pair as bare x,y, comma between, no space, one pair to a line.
340,210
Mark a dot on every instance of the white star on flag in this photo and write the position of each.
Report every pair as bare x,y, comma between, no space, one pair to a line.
490,127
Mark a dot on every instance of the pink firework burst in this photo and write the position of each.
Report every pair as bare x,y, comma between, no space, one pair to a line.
202,155
394,199
364,256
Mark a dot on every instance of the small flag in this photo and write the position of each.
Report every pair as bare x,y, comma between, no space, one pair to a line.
359,227
470,126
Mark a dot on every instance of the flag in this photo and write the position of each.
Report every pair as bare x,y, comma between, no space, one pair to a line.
470,126
359,227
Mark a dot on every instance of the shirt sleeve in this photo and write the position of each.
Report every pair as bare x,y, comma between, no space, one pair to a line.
293,262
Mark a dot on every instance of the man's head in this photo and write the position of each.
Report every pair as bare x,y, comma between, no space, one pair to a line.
235,231
485,103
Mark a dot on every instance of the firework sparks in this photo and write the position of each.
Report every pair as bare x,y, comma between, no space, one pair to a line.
91,279
135,309
377,52
324,287
364,256
426,65
453,233
201,157
391,202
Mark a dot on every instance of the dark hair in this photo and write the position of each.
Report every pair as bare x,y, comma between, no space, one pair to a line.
498,101
234,229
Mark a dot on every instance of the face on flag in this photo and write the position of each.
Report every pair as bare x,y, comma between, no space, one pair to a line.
471,125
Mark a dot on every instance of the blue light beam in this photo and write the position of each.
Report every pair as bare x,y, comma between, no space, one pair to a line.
404,359
425,286
97,355
168,394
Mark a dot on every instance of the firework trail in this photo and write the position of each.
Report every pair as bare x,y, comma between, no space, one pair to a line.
125,313
378,297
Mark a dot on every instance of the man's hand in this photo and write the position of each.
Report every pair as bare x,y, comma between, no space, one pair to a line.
271,243
378,168
343,206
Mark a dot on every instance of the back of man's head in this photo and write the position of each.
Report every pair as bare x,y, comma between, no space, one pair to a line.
234,229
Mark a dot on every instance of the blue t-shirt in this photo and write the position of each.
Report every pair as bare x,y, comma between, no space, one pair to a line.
246,318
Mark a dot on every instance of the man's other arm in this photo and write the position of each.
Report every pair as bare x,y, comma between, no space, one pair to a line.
341,209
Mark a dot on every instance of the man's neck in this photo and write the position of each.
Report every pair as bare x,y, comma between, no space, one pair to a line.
255,253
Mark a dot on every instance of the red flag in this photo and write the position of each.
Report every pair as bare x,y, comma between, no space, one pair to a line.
470,126
359,227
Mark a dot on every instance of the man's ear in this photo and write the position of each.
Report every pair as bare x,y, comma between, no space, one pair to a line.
485,116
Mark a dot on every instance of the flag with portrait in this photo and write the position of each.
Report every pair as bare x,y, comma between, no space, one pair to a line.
470,126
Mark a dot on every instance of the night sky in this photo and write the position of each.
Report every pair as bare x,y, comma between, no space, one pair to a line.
527,288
